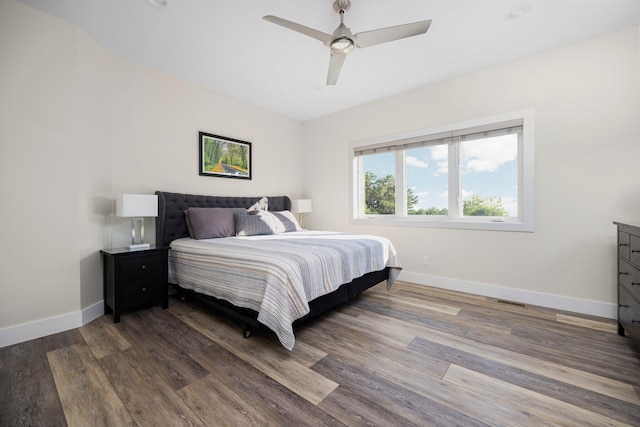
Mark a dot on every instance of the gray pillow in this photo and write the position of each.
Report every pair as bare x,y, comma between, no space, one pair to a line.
254,225
209,223
188,221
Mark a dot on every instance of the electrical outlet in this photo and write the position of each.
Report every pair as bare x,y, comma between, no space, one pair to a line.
425,260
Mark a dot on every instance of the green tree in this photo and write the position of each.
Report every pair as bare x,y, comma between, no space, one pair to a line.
380,199
431,211
380,195
212,153
478,206
243,156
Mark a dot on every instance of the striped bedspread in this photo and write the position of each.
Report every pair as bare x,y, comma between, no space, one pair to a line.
278,275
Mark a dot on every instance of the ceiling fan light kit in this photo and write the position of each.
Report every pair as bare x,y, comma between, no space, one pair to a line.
342,45
342,41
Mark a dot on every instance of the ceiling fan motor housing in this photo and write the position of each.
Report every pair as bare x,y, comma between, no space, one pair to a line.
341,6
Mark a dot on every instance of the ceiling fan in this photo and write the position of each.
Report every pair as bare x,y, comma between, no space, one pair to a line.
341,42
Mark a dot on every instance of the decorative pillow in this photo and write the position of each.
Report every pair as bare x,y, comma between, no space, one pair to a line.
208,223
284,220
254,225
260,205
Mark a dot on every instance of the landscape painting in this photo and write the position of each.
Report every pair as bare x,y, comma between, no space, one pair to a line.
224,157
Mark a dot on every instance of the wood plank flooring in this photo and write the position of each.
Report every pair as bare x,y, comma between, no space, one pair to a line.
413,355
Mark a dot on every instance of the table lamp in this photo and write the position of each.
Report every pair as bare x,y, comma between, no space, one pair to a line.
301,206
137,207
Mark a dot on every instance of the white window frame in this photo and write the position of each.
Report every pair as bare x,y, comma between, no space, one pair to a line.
524,222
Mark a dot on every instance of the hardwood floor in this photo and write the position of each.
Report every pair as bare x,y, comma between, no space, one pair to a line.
410,356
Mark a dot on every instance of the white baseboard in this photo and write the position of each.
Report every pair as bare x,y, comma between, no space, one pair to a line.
559,302
91,313
51,325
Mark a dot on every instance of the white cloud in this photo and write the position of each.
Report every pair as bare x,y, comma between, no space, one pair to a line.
440,152
489,154
443,168
414,161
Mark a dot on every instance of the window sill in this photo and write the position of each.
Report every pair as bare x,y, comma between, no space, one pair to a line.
467,224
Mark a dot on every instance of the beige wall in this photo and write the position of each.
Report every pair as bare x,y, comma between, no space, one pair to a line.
78,126
586,99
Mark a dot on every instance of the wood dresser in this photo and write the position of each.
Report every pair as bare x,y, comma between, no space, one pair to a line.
629,280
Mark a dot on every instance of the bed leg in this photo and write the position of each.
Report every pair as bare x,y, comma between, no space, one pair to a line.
246,329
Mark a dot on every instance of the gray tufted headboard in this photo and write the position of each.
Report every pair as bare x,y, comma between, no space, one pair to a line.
171,225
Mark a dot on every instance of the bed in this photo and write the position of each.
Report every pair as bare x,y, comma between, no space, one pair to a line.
276,278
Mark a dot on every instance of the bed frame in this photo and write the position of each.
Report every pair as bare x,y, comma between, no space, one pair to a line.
171,225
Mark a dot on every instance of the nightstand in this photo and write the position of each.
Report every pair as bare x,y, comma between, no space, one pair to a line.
134,278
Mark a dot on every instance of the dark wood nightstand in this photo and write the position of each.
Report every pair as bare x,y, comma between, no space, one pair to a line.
134,278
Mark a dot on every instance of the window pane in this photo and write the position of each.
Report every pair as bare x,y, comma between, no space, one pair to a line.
426,171
379,183
489,176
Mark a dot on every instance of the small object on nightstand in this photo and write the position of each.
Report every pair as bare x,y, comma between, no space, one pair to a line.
135,278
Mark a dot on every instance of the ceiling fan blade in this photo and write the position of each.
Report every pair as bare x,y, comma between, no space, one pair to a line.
383,35
318,35
335,65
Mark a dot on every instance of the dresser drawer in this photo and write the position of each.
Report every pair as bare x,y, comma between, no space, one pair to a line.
623,245
628,312
634,250
629,277
148,267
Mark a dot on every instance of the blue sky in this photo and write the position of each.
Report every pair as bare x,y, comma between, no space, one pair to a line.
489,169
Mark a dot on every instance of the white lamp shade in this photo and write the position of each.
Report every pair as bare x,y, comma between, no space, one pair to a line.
301,206
137,205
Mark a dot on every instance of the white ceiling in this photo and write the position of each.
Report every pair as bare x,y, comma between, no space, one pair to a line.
226,46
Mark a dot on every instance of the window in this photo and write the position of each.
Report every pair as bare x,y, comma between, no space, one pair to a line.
475,175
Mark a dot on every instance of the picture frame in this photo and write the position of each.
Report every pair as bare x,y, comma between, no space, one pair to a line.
224,157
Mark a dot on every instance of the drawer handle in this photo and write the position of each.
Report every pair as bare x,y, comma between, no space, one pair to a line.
623,306
635,321
633,251
635,283
623,244
623,273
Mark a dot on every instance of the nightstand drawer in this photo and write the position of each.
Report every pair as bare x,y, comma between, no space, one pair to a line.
139,293
149,267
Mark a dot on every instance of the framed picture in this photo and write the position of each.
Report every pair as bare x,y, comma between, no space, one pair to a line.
225,157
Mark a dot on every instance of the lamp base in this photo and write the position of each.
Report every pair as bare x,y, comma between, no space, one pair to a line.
135,246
